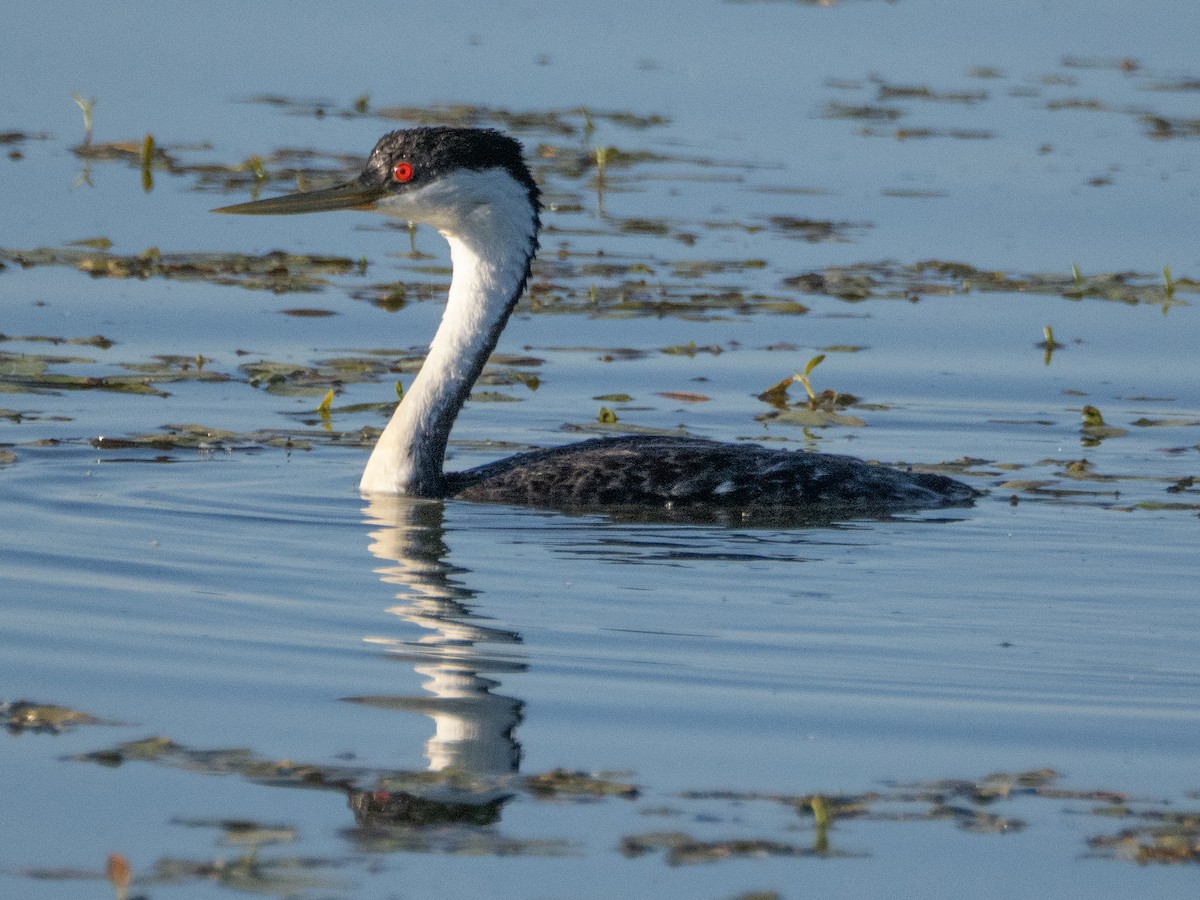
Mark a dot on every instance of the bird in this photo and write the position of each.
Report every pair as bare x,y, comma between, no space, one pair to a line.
474,186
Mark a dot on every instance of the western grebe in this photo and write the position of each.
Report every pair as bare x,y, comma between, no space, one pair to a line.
474,187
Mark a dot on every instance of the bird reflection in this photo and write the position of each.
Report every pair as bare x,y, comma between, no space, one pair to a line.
473,724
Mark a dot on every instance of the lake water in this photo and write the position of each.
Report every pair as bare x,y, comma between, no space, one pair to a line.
902,186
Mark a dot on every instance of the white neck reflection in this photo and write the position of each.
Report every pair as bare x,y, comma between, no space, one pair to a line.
474,726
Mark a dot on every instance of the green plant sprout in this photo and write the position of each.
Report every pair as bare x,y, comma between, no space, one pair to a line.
1048,343
147,161
256,167
602,154
86,107
820,810
323,410
802,377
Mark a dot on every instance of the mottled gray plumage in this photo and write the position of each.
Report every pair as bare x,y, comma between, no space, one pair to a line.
684,472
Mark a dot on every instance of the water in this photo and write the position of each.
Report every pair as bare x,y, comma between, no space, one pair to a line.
244,596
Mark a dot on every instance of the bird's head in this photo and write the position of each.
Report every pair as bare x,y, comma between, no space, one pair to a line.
457,179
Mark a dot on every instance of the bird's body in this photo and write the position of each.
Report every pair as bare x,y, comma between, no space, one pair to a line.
474,187
686,472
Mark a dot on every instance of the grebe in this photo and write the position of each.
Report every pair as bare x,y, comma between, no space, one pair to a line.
474,187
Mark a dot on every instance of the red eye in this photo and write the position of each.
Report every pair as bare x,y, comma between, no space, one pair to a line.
402,171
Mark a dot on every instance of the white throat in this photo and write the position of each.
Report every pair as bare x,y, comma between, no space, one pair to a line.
491,225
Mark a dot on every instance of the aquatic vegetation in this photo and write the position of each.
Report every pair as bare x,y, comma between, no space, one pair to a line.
816,231
95,340
29,373
888,91
393,810
888,280
643,286
602,155
1162,128
888,104
87,108
684,849
275,271
14,139
326,403
1145,422
147,163
567,783
29,715
684,396
1048,344
802,377
566,122
119,874
195,437
1095,429
1166,837
816,411
865,112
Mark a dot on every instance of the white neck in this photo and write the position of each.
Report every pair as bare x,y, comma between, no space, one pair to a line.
491,244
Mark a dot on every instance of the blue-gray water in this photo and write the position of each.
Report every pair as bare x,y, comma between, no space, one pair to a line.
235,597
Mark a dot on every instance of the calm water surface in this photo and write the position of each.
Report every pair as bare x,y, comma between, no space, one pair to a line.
243,595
